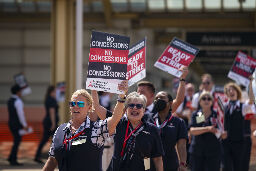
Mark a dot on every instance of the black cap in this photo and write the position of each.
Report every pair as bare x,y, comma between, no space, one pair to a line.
15,89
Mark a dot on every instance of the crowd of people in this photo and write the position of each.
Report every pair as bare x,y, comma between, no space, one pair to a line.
150,131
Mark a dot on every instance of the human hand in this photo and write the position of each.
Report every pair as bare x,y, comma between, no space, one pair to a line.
184,71
212,129
224,135
123,86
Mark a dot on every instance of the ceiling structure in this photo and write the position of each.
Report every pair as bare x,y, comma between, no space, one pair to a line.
160,15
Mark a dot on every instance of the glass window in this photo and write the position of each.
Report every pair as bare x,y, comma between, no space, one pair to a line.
156,5
194,4
175,4
212,4
119,5
231,4
138,5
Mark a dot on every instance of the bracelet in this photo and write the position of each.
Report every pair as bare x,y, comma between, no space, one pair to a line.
121,100
183,164
182,79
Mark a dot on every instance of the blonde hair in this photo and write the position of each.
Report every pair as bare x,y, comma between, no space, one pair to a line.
134,95
236,87
205,93
83,92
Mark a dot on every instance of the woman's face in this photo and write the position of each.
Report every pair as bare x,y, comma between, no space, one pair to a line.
163,96
206,102
79,112
232,93
135,110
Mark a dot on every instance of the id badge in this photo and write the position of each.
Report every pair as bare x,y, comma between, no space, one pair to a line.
147,163
78,142
200,119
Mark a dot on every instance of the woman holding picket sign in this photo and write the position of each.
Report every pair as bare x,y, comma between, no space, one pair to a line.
234,125
136,141
78,144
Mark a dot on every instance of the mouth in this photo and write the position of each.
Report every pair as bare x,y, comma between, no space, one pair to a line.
134,113
76,112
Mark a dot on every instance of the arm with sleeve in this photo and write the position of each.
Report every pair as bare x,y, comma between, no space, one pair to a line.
19,108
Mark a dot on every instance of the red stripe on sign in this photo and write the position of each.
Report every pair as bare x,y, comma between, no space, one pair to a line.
136,63
108,55
175,58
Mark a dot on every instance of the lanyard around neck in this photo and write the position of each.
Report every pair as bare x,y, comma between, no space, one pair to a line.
164,123
66,140
127,137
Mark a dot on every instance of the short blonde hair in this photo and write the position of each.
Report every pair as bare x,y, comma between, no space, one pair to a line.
205,93
83,92
134,95
236,87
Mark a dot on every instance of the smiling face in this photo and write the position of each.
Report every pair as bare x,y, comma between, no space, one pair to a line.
232,93
206,101
133,113
79,113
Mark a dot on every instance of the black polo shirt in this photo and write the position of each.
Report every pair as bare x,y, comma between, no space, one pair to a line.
205,144
174,130
147,145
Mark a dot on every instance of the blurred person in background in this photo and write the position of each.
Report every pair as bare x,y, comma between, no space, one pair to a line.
50,122
235,128
16,122
207,84
205,146
78,144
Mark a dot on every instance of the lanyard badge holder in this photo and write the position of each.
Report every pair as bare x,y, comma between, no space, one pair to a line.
200,118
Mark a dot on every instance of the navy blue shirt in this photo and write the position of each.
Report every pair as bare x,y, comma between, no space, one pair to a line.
205,144
51,102
147,145
174,130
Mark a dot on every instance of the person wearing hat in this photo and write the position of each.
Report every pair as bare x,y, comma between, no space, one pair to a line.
16,121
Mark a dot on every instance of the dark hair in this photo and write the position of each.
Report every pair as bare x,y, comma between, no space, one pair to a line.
148,84
50,89
15,89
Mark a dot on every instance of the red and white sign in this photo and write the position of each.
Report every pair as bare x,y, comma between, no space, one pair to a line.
243,67
136,66
176,55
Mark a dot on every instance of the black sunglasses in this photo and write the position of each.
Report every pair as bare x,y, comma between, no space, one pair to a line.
132,105
207,82
206,98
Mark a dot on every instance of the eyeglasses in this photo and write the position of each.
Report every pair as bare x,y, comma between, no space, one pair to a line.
206,98
79,104
132,105
207,82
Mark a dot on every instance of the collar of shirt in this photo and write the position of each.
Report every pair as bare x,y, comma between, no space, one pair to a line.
85,124
15,96
233,107
150,107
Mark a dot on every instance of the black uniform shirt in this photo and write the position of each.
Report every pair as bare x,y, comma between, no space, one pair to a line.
50,102
174,130
205,144
147,145
82,150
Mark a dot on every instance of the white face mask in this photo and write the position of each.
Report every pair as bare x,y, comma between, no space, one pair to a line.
26,91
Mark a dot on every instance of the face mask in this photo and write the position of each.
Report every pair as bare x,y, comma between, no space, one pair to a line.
159,105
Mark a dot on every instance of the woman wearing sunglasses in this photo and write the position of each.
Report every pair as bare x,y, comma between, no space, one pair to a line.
78,144
236,127
205,145
136,141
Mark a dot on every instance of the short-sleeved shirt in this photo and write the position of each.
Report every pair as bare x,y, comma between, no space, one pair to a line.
51,102
147,145
174,130
88,145
205,144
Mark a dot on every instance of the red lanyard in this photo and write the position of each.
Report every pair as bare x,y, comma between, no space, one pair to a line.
127,137
165,122
78,134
